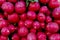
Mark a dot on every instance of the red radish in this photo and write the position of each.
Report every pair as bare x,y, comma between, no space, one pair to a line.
28,23
48,33
11,28
41,36
23,38
8,7
53,4
52,27
54,37
2,1
13,1
42,25
57,21
56,13
5,31
3,23
1,16
5,14
20,7
29,20
16,28
31,15
23,16
3,38
33,30
23,31
34,6
48,19
36,25
21,23
13,18
15,37
44,1
45,10
41,17
31,36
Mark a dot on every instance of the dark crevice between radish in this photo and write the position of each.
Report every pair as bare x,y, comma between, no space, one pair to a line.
1,11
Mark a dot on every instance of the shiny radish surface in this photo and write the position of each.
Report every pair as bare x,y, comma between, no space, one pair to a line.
29,19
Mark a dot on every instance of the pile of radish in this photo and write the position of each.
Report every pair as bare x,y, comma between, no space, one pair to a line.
29,19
